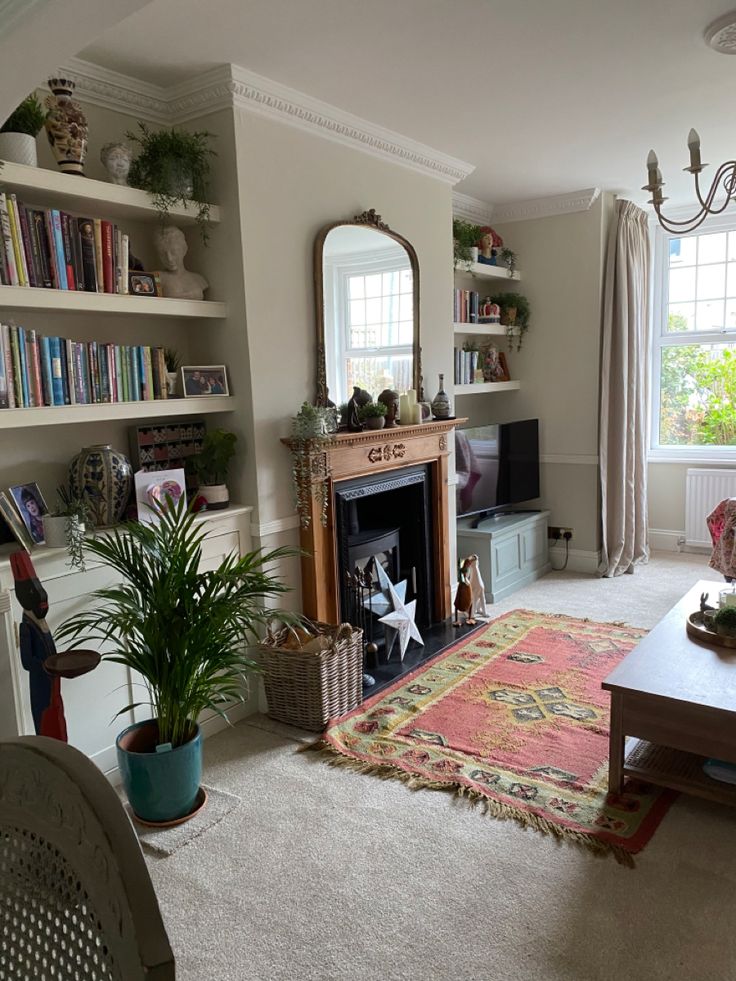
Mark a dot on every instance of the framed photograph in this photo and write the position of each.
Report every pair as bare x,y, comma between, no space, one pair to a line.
144,284
204,380
31,508
12,520
505,377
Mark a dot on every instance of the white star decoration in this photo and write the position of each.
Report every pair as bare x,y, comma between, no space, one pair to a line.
381,601
401,619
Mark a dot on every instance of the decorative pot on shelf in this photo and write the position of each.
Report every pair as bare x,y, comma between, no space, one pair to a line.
171,379
104,477
216,496
374,422
441,403
162,784
66,127
508,316
56,528
474,253
19,148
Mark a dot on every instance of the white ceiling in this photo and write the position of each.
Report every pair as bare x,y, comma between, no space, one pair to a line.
543,96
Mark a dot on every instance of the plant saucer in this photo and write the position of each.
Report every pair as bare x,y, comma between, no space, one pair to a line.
199,803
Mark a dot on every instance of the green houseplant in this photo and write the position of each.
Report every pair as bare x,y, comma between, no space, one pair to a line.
373,415
19,131
724,621
173,363
515,314
465,236
185,631
66,524
174,167
210,467
312,432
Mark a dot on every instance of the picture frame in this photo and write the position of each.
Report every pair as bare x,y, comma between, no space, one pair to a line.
144,283
204,381
31,508
505,366
12,519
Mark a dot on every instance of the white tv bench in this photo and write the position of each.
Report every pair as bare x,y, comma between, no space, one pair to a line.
512,550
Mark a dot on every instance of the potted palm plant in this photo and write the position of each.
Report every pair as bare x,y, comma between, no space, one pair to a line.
19,131
210,467
184,630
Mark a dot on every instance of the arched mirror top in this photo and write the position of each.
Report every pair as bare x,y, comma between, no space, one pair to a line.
366,280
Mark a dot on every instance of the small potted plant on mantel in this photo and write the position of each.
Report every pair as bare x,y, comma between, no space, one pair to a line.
373,415
210,467
19,131
185,631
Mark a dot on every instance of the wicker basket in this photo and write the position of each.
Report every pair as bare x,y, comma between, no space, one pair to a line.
307,689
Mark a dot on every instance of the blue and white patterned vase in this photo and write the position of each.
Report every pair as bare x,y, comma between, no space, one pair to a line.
104,477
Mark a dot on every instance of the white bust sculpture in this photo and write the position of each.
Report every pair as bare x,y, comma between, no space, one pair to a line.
176,281
116,159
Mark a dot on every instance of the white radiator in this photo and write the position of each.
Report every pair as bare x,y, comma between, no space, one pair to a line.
703,490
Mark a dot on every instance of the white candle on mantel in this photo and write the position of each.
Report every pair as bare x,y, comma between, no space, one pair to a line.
416,414
412,396
404,410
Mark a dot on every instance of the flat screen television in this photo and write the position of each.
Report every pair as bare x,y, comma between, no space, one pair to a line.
497,467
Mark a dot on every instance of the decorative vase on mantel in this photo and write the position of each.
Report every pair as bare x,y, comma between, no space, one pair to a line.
66,127
441,408
104,477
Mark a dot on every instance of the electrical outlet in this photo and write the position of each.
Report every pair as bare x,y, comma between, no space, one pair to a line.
558,533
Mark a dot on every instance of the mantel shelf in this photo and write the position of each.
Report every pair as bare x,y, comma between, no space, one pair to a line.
481,387
75,301
59,415
481,270
88,198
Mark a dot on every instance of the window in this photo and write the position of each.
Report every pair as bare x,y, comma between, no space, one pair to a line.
374,323
694,345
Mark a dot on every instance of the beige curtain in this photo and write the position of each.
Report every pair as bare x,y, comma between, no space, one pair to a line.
624,389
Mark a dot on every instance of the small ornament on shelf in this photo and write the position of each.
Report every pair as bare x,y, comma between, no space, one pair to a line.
116,158
66,127
176,281
489,312
441,408
489,243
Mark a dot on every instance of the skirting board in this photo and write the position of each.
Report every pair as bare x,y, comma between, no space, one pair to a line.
579,560
664,540
106,759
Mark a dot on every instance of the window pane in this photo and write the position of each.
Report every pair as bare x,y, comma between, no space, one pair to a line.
373,285
406,281
682,252
731,246
406,332
711,281
357,313
681,317
698,395
709,315
379,372
712,248
731,279
730,321
682,285
391,282
357,287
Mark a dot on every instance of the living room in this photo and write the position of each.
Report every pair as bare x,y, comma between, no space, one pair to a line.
555,851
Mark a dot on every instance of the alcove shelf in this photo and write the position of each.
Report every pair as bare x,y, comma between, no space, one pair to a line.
481,270
75,301
87,197
59,415
483,330
481,387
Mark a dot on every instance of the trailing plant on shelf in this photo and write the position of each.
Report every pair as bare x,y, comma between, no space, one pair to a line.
465,235
28,118
174,167
184,629
509,259
210,467
515,314
75,514
312,432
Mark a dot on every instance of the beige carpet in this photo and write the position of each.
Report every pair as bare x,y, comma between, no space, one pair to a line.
325,874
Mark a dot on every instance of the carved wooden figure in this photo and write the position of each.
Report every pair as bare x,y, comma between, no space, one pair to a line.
464,595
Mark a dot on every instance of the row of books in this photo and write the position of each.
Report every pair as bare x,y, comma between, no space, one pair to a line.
44,247
38,370
466,365
466,303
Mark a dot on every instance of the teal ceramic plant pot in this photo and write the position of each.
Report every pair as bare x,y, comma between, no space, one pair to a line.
161,785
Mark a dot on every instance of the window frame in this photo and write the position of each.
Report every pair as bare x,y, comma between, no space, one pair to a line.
661,338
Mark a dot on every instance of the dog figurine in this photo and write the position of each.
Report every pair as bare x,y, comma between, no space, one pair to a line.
464,602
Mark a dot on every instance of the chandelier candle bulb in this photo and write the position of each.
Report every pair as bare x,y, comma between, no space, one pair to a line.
693,143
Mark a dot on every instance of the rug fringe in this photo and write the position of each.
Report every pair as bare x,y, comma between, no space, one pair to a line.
493,808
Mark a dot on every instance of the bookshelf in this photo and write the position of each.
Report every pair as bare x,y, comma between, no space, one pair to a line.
480,387
481,270
63,301
55,415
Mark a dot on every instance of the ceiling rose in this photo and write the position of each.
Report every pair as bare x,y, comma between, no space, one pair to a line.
721,34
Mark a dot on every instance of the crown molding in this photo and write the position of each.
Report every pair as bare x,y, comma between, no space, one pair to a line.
229,86
546,207
471,209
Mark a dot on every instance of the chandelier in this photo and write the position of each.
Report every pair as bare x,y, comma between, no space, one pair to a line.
721,36
710,204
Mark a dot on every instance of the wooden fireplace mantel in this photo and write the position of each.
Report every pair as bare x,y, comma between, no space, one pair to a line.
352,455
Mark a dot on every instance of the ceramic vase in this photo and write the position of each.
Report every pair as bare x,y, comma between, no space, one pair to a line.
56,529
66,127
441,403
171,379
19,148
104,477
216,495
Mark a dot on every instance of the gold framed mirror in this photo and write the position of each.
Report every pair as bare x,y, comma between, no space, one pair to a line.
366,287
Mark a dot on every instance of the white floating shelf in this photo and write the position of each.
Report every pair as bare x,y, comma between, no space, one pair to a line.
477,389
59,415
88,198
482,270
76,301
483,330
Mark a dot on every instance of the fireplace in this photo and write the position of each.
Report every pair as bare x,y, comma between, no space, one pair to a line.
384,518
363,504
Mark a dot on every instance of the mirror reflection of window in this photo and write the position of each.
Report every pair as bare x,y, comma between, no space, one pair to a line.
369,312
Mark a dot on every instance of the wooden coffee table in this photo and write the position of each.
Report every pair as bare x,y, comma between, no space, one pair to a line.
678,698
